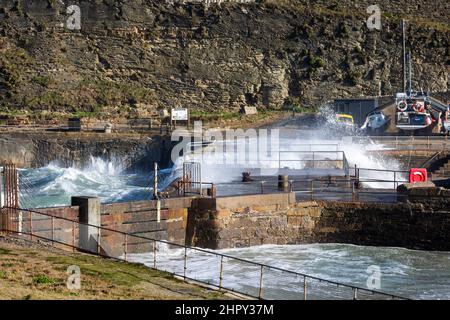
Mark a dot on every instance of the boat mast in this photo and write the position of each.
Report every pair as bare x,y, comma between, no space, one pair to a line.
410,73
404,55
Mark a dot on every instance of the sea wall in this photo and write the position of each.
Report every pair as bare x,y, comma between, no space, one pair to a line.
136,152
239,223
138,219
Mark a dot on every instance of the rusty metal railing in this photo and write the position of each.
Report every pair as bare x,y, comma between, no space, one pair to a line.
255,279
186,188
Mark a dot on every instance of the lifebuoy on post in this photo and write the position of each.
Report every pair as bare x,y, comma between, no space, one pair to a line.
418,175
402,106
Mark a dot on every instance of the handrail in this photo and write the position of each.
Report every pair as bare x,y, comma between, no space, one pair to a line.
384,170
325,180
305,276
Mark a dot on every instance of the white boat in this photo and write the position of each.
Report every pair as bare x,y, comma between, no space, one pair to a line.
413,111
375,120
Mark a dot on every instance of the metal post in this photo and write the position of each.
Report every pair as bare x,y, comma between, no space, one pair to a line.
304,288
158,211
155,181
410,72
200,176
73,236
185,263
260,283
16,197
31,225
53,230
314,159
125,246
312,190
353,191
16,194
221,272
355,293
154,254
279,158
395,179
404,55
5,171
98,240
2,196
262,187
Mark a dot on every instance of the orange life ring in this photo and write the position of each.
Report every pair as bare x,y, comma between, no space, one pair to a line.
402,106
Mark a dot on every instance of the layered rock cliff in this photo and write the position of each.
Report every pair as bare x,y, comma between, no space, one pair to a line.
138,55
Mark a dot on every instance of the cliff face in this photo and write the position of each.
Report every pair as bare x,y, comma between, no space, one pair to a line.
139,55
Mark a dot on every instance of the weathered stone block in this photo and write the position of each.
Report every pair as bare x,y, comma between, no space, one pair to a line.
278,222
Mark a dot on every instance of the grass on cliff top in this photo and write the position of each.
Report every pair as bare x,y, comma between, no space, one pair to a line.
34,272
344,12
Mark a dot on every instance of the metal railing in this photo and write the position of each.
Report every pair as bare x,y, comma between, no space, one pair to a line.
186,188
221,271
410,142
309,159
357,186
396,175
318,189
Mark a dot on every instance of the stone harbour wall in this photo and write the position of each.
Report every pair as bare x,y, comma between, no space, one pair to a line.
410,225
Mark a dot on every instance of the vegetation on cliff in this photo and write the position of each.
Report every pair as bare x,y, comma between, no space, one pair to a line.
135,57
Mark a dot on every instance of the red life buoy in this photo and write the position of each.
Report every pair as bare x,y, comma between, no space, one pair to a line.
418,175
402,106
418,107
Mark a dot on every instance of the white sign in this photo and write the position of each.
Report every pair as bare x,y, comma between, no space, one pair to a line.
374,21
74,20
180,114
74,279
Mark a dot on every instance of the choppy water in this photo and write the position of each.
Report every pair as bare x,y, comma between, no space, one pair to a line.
54,185
408,273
